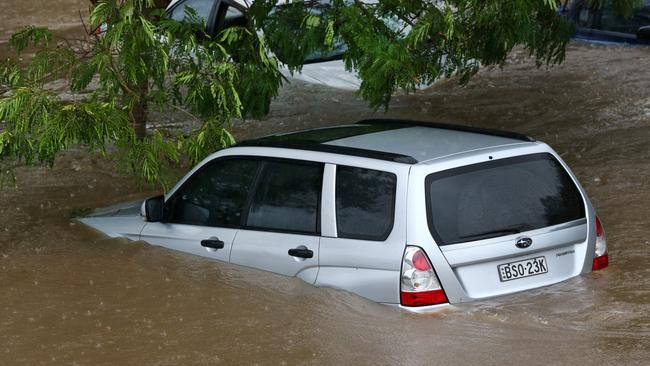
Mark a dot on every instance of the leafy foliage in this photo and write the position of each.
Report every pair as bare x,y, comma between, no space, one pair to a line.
140,60
143,61
397,44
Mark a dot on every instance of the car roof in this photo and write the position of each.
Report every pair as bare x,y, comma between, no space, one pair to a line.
401,141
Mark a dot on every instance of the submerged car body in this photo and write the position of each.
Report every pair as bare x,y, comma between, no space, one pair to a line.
600,22
403,213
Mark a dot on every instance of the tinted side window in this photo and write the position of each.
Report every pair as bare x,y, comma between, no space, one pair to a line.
287,198
365,203
203,9
215,195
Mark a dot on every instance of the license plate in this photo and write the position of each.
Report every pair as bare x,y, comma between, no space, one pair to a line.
520,269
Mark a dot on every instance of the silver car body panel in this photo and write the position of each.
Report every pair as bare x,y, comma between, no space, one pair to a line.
467,271
268,251
368,268
121,220
423,143
187,238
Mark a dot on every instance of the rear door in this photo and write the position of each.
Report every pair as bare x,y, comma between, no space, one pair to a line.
362,248
203,215
281,231
508,225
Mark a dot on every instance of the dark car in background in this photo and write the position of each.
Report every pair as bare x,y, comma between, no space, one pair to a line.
600,22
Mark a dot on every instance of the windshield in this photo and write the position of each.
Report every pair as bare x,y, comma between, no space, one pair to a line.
499,198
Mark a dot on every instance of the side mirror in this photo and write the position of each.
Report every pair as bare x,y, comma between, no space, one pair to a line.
153,209
643,33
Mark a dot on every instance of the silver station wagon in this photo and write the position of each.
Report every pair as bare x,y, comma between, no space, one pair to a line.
404,213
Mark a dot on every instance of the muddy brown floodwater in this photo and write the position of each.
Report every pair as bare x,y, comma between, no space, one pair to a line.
70,296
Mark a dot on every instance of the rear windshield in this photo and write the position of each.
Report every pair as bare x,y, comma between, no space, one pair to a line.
499,198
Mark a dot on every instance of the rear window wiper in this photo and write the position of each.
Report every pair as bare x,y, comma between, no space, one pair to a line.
491,234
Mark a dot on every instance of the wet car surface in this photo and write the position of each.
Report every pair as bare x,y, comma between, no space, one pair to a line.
344,207
71,296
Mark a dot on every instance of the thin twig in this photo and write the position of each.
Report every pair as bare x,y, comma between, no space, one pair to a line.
83,23
186,112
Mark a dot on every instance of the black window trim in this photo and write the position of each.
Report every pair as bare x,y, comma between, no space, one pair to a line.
331,149
249,198
389,229
481,165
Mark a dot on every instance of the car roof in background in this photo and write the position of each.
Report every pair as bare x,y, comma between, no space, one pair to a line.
401,141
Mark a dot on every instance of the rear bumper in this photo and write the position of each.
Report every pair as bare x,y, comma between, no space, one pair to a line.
422,309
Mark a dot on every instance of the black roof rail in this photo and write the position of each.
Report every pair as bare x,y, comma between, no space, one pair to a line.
448,126
334,149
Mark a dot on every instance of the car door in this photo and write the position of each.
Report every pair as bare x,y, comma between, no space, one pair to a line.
281,231
362,247
203,215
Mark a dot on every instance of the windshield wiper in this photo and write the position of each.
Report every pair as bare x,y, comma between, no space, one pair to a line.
491,234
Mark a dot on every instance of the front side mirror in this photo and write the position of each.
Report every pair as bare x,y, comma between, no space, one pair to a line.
153,209
643,33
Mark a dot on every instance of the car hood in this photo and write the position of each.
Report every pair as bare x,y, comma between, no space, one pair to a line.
121,220
120,209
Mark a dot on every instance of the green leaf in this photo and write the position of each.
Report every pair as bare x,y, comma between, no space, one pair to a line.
100,14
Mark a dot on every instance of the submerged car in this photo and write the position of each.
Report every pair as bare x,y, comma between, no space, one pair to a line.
600,22
404,213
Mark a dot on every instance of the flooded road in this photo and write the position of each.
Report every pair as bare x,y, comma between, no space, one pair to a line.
62,16
70,296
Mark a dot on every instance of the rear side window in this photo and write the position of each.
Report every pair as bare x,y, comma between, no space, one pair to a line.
500,198
365,203
287,198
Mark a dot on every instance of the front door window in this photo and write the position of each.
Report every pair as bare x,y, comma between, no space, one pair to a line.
215,195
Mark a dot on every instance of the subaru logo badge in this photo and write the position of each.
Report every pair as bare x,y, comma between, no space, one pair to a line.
524,242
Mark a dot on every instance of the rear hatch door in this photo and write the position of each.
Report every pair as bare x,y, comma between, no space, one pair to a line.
508,225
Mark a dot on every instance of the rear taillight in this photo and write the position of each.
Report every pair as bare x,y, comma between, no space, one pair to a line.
601,259
101,29
419,284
